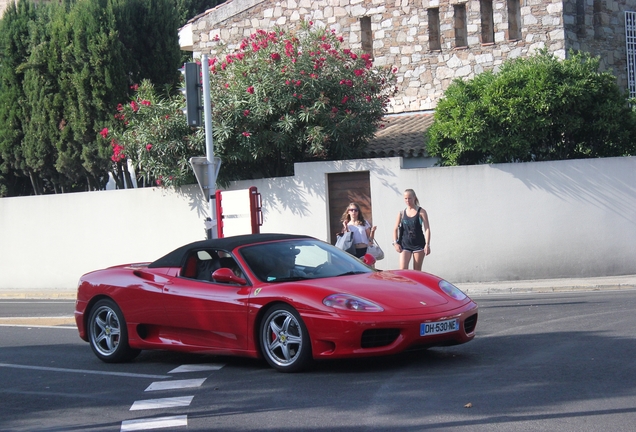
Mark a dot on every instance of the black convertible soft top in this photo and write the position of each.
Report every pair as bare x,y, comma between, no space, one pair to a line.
177,256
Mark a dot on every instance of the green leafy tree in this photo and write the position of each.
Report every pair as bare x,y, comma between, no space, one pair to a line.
14,51
148,31
41,103
64,67
96,80
534,109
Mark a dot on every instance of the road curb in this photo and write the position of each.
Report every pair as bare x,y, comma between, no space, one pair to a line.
543,289
37,321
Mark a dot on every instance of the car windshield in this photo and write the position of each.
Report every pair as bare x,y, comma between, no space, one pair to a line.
300,259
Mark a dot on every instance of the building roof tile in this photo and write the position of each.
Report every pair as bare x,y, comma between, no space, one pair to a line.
402,135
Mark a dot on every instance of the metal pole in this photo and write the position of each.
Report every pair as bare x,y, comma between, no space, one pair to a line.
209,145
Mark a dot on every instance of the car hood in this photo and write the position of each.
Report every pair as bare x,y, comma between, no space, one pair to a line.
388,289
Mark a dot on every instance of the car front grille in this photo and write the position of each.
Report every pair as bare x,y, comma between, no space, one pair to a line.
470,323
379,337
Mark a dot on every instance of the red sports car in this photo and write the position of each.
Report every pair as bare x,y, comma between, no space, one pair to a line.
287,298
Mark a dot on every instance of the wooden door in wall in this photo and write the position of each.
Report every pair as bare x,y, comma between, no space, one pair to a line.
345,188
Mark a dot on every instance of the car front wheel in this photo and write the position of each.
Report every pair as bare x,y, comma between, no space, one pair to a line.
108,335
284,339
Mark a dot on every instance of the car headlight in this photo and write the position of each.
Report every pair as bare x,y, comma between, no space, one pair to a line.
349,302
452,290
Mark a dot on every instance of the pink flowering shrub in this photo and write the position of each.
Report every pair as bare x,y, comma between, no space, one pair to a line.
152,133
286,97
281,97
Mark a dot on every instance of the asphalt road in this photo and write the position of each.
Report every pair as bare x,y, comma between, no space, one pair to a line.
559,361
37,312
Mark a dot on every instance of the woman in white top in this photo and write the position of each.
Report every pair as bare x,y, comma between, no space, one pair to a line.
363,232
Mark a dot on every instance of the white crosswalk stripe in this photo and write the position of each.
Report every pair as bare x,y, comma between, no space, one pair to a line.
197,368
154,423
173,385
170,402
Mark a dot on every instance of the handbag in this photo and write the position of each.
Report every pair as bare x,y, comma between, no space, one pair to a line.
400,229
375,250
345,242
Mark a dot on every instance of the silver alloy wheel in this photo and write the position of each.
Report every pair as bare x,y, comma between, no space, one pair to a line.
282,338
105,331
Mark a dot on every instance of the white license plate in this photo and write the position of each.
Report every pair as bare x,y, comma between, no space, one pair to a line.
439,327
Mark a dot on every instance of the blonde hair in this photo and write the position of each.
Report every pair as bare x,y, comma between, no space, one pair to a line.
411,191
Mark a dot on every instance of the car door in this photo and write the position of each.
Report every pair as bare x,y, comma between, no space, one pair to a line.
207,314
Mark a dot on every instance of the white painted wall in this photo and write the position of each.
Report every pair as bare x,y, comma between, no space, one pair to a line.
488,222
47,242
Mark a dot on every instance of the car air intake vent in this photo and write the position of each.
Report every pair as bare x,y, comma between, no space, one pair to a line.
379,337
470,323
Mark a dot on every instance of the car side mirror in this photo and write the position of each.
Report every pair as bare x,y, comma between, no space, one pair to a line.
226,275
368,259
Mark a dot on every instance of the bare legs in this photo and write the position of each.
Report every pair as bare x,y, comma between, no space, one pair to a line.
418,259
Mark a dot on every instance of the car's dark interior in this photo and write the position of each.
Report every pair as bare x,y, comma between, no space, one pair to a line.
201,264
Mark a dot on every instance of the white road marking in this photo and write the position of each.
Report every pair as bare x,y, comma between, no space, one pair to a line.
172,385
169,402
197,368
154,423
83,371
161,403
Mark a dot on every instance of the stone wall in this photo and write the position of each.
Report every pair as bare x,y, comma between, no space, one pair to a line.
401,36
598,27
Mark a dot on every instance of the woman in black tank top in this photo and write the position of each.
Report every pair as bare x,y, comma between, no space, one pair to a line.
412,233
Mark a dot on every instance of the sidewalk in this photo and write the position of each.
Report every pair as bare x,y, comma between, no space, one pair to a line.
549,285
470,288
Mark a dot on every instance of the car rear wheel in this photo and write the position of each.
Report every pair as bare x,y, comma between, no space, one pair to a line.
108,335
284,339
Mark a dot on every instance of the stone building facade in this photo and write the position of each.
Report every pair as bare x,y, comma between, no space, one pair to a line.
432,42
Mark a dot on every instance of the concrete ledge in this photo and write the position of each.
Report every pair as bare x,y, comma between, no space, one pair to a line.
42,294
550,285
38,321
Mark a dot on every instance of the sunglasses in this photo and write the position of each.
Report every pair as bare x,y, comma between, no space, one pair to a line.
353,210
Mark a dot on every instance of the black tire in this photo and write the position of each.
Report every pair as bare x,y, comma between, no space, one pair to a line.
107,333
284,339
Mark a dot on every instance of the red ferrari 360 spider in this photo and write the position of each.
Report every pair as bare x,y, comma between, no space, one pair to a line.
287,298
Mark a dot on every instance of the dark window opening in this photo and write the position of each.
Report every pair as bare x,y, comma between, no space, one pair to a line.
434,40
514,19
580,17
461,31
366,35
598,20
487,26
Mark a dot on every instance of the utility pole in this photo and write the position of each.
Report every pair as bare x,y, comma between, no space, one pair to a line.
206,169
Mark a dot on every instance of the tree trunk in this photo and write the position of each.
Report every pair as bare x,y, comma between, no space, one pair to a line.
119,176
35,184
129,183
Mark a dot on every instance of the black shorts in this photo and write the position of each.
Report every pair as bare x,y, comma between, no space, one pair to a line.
413,248
360,252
